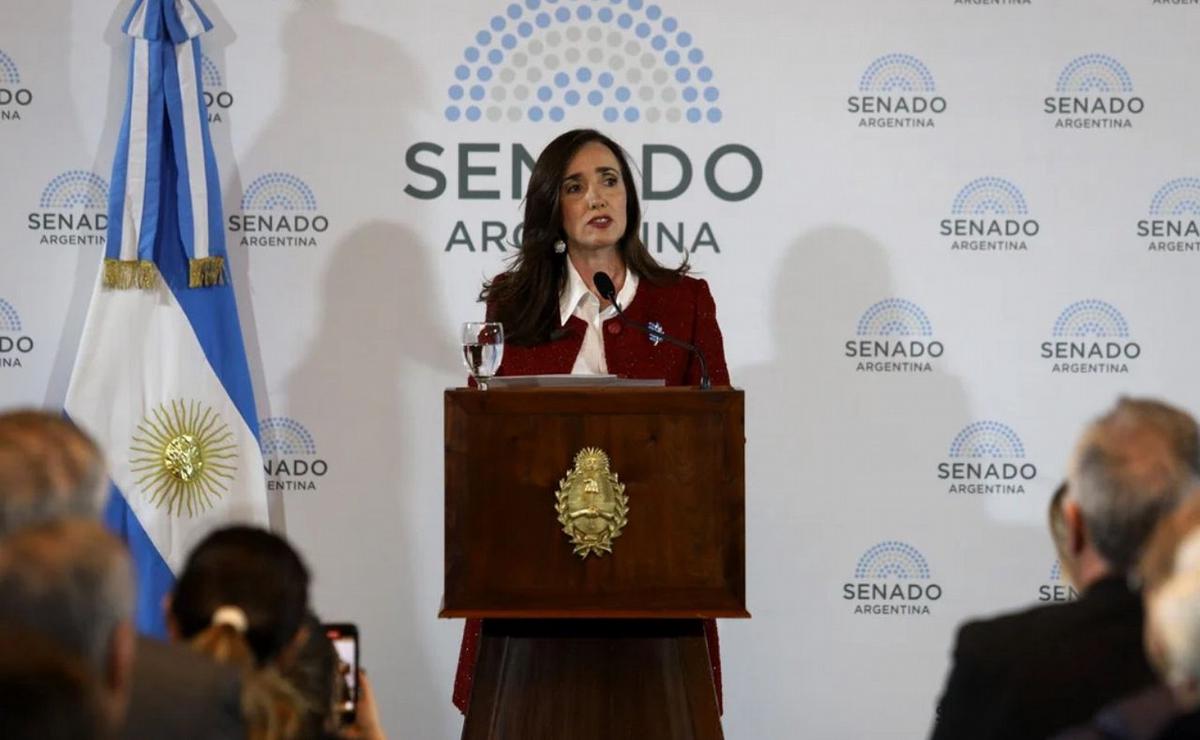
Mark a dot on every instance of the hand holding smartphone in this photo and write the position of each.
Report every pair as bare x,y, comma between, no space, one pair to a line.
344,637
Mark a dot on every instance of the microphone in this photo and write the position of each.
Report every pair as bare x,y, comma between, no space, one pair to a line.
608,292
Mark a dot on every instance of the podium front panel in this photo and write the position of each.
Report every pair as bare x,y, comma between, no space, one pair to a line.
678,451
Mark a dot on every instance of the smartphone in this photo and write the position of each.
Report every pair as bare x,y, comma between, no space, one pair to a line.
344,637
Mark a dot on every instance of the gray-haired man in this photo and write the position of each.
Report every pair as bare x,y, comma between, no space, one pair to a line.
1033,673
71,581
51,471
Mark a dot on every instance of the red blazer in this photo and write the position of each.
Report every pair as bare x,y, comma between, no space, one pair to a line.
684,310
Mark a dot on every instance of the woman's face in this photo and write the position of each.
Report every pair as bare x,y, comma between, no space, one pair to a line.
592,198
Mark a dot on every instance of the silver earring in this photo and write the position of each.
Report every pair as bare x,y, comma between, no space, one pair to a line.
560,246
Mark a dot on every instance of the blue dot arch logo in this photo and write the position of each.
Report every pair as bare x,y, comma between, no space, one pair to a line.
897,73
541,59
990,196
9,74
1056,574
279,435
278,191
1179,197
1094,73
75,189
210,74
893,317
1091,318
987,439
10,321
892,560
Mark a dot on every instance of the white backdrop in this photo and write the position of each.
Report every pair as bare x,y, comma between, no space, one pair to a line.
350,111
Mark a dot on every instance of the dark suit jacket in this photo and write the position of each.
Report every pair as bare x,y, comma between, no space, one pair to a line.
1031,674
181,695
684,309
1186,727
1142,716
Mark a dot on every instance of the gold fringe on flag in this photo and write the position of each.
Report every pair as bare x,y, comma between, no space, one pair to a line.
127,274
206,272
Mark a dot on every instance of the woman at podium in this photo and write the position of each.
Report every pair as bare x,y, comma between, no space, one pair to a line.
582,217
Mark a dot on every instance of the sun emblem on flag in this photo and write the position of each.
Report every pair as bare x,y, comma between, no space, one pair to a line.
184,455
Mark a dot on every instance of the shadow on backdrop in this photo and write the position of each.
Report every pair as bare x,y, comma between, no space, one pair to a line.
852,445
368,377
69,125
371,373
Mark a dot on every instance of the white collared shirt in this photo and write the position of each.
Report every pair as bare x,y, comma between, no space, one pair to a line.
577,300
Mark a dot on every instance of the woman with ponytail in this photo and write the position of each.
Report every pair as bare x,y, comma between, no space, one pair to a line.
241,600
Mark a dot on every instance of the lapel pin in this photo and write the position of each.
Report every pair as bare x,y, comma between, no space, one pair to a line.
656,333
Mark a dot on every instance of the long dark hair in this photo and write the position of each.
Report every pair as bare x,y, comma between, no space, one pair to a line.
525,297
263,576
314,674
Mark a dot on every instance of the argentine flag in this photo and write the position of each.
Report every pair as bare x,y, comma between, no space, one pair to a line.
161,379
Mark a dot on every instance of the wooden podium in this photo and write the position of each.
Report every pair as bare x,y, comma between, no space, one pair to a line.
608,646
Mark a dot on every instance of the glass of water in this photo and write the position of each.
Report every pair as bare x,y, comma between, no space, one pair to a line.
483,349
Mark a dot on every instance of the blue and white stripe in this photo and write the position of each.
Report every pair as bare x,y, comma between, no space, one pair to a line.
165,87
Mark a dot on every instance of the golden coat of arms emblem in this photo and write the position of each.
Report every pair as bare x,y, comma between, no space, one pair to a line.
591,503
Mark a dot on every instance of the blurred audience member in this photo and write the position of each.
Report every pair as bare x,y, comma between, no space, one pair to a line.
1060,535
71,581
317,676
366,724
45,692
241,599
1171,633
313,674
1173,638
51,471
1036,672
1159,561
181,695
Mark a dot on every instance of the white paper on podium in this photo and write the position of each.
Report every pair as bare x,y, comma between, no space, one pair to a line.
573,381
